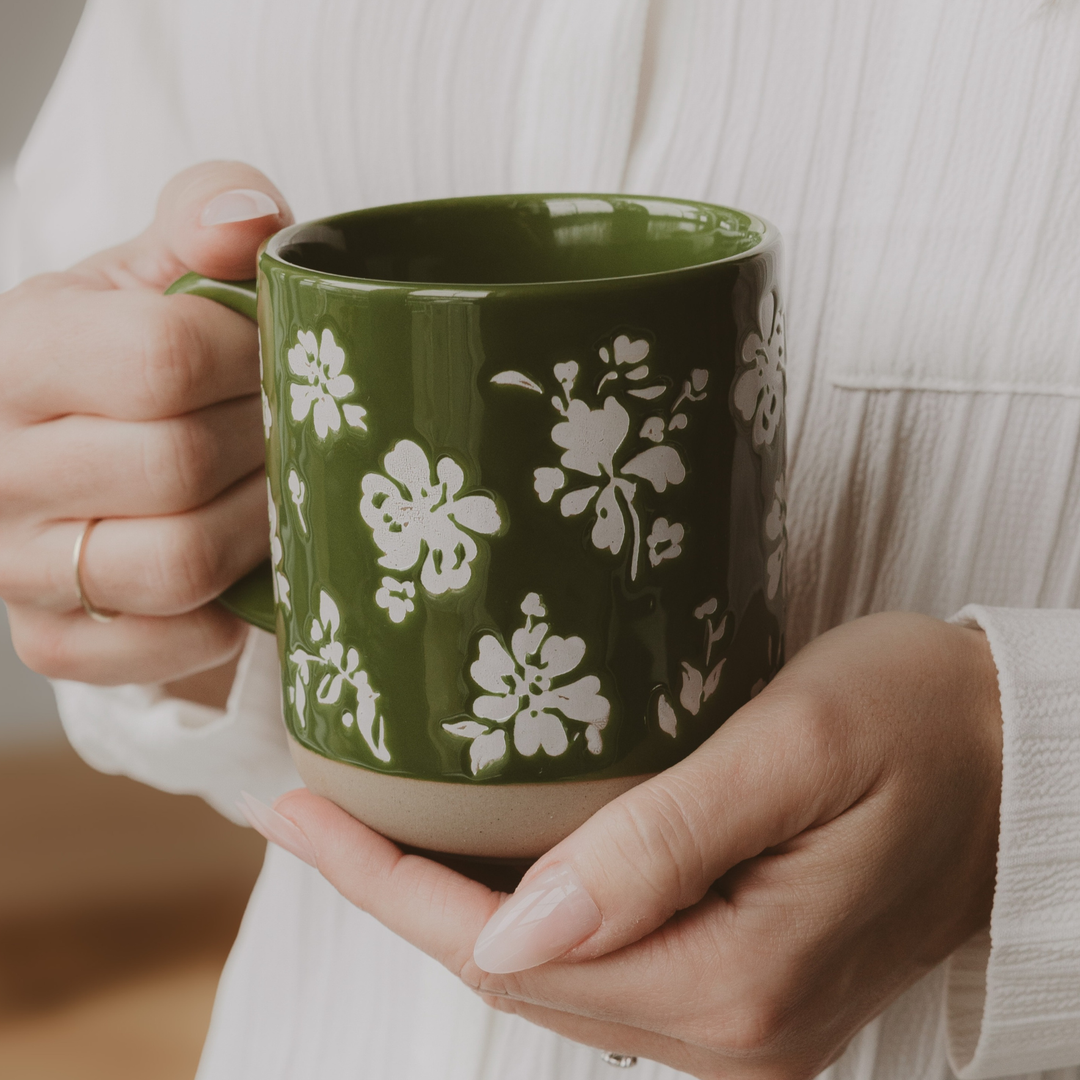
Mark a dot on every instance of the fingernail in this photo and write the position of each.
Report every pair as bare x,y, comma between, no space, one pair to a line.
276,828
242,204
551,914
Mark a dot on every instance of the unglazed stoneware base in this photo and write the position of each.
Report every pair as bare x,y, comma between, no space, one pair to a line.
504,821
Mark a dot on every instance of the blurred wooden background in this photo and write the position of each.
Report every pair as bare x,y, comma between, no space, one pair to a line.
118,904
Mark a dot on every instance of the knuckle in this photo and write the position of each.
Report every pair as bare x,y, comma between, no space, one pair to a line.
187,566
179,464
657,838
169,361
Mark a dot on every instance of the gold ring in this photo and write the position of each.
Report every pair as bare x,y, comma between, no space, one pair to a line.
76,561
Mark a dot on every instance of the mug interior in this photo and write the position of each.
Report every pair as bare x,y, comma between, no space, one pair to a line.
519,239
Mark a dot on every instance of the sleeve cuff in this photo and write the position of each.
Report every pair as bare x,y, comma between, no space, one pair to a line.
185,748
1012,999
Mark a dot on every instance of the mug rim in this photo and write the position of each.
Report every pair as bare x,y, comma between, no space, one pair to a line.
272,246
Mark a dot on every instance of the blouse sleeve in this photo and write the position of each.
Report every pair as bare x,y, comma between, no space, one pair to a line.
182,747
1013,993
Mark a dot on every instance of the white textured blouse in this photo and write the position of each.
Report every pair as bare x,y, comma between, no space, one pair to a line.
922,160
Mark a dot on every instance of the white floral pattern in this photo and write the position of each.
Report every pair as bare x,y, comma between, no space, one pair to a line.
333,673
664,541
277,554
396,598
527,696
593,440
698,684
298,493
319,367
415,518
776,533
759,390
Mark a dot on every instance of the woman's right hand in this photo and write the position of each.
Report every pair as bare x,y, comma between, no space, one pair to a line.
142,410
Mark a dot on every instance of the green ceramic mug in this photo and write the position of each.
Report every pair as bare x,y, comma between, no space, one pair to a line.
525,458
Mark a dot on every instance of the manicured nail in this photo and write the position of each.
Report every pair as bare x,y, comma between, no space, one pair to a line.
276,828
547,916
242,204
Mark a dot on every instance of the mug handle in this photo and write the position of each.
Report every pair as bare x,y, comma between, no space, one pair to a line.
252,597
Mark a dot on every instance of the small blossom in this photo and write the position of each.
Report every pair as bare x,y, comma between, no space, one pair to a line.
319,367
396,597
665,541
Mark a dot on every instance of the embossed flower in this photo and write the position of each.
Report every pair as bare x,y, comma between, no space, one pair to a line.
415,517
527,690
319,367
776,532
759,390
277,553
335,674
396,597
665,541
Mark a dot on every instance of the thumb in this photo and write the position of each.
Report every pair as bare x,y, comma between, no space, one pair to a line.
211,219
659,847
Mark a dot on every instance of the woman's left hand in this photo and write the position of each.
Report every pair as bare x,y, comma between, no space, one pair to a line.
744,913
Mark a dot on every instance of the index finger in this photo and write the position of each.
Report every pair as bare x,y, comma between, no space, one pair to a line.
437,909
128,354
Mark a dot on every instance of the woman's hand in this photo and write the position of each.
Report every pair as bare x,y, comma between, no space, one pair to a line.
142,410
744,913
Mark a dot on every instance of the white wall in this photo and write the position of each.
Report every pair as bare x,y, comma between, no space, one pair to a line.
34,35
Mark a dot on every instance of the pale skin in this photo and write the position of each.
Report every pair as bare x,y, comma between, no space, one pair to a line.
760,902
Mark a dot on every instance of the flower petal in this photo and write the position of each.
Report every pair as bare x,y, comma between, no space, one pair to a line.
340,386
577,502
533,730
609,531
302,399
660,465
630,352
331,355
494,668
408,464
495,708
476,512
487,750
580,700
300,363
326,416
449,561
560,655
451,474
525,643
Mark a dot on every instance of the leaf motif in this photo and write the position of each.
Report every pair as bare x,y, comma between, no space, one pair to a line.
328,612
487,750
647,393
465,729
713,681
630,352
354,416
690,694
669,723
516,378
660,465
577,502
609,531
